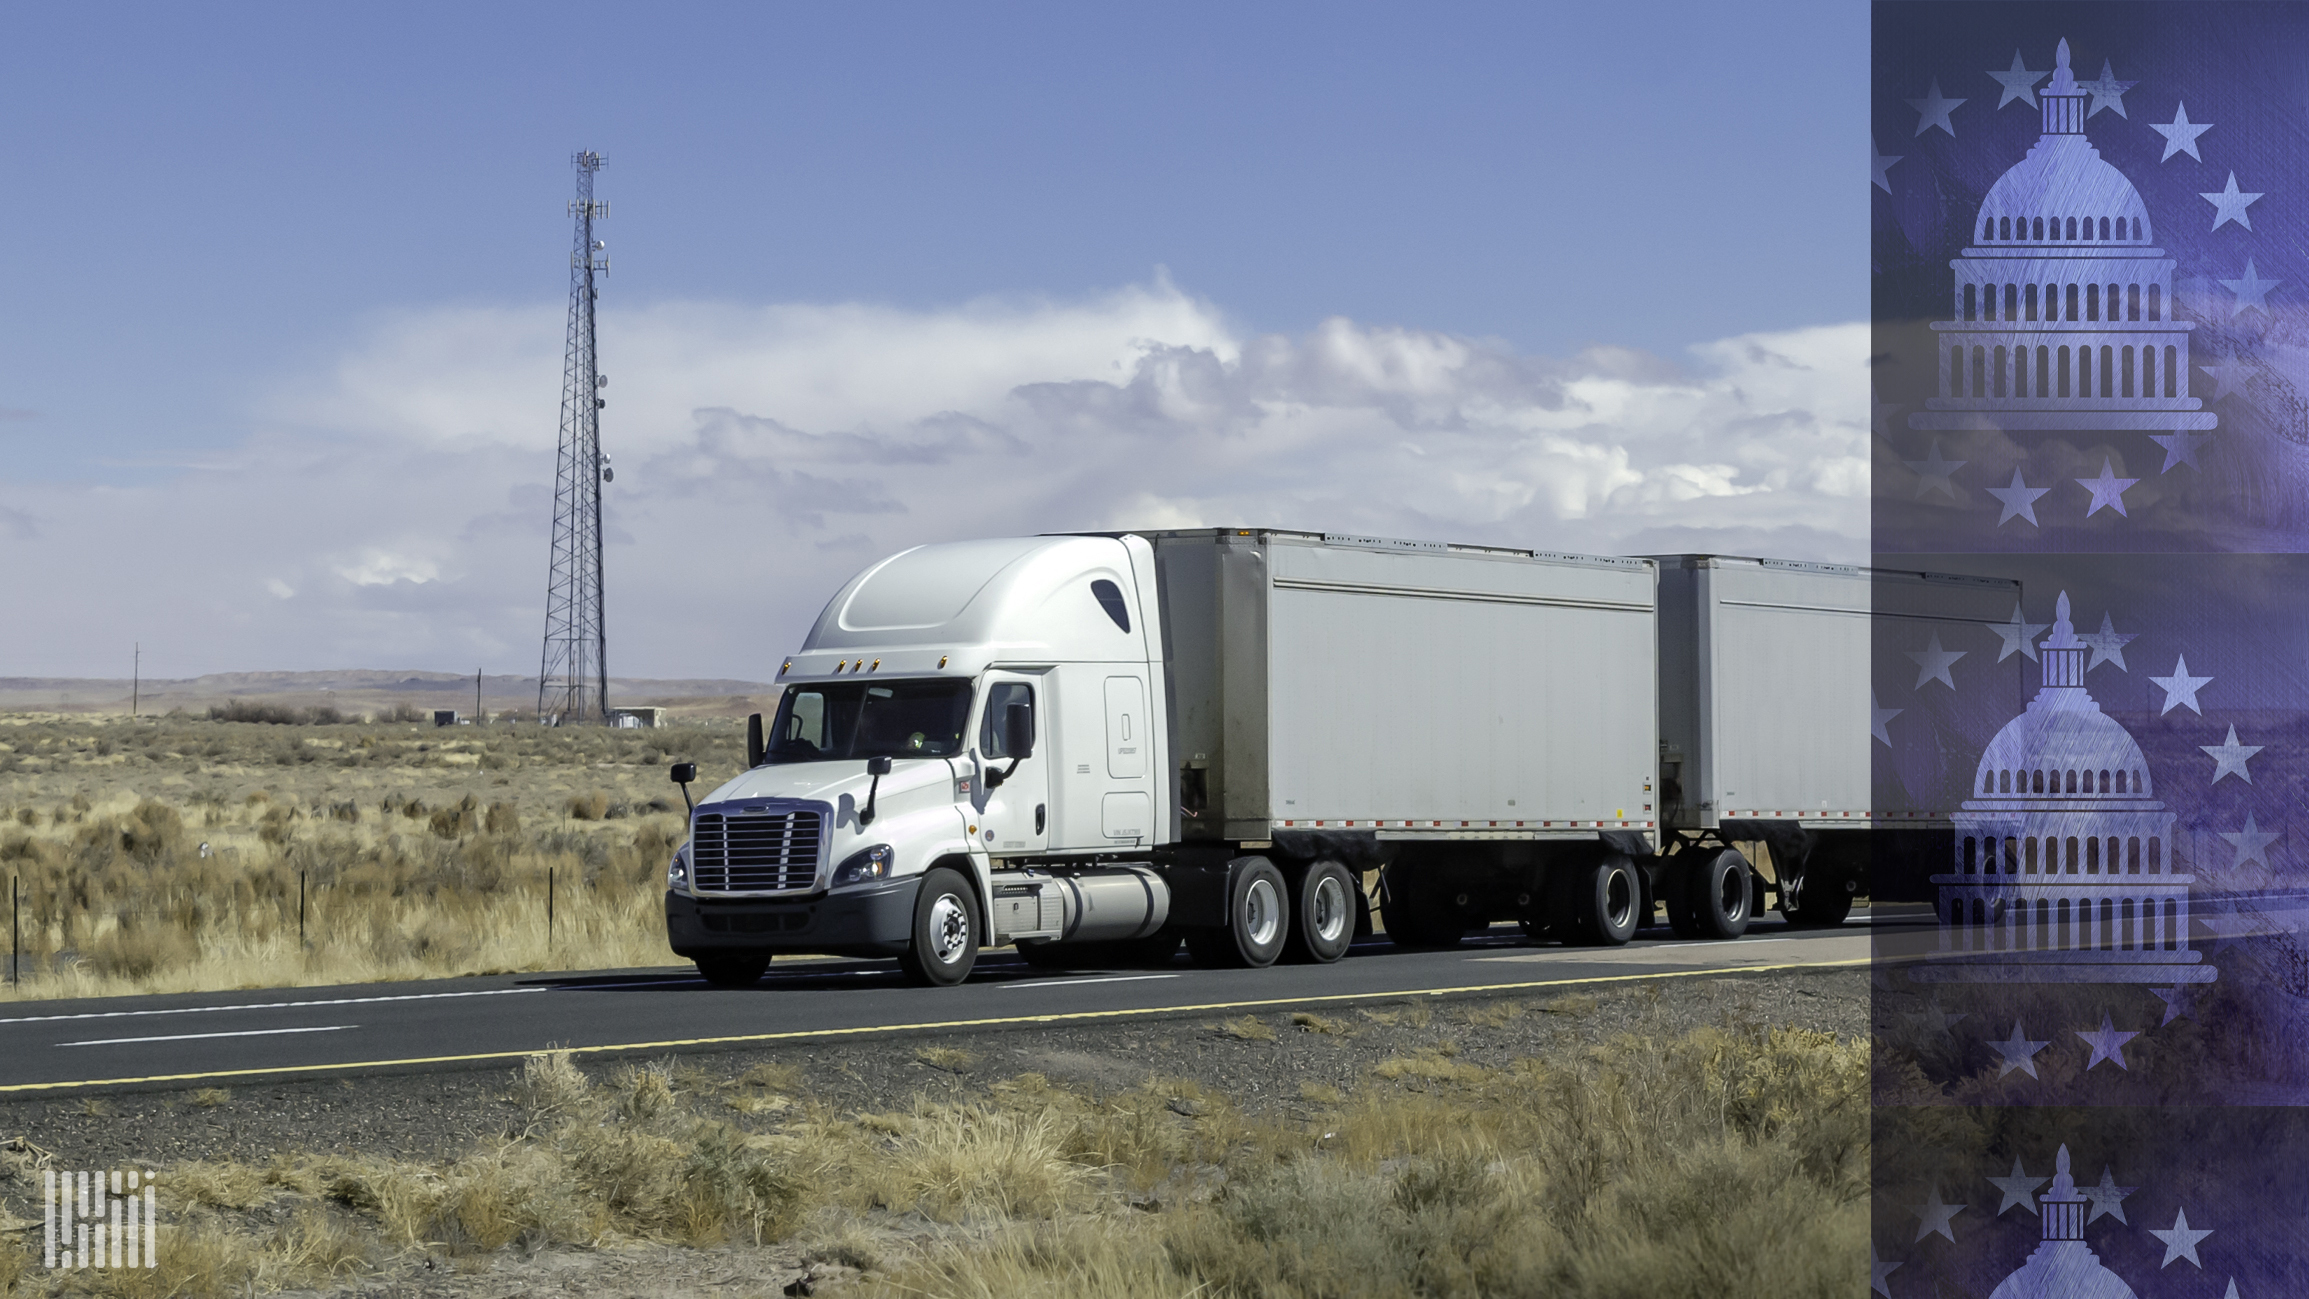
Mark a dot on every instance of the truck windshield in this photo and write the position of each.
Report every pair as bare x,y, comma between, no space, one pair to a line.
870,719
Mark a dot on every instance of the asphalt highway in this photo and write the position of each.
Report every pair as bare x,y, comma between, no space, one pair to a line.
195,1039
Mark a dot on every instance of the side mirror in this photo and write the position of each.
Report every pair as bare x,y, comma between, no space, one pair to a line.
754,746
684,772
1018,731
877,766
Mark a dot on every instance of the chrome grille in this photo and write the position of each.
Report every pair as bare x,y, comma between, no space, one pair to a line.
754,852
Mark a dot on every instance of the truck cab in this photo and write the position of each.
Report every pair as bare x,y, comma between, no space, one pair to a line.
963,721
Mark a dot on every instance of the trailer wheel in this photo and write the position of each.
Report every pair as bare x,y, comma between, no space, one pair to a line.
1720,894
740,971
1822,903
1596,903
1258,921
945,942
1419,917
1322,913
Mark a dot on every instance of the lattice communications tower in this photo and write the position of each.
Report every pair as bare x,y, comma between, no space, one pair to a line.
573,683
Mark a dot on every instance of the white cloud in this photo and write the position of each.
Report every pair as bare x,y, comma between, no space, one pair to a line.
763,454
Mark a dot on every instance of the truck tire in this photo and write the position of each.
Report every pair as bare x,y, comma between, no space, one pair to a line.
1420,917
738,970
1596,903
1322,913
945,942
1821,904
1720,893
1258,921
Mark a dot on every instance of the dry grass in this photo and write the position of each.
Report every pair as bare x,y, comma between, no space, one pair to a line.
1249,1028
1314,1023
168,855
1726,1163
951,1059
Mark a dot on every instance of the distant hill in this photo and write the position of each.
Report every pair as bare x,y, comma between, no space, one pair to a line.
363,690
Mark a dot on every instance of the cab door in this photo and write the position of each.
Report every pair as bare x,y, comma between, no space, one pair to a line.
1013,798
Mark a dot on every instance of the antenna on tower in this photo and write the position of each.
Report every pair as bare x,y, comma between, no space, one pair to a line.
573,682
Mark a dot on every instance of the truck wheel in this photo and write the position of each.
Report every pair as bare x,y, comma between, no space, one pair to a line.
1821,903
1322,913
1596,903
1720,894
739,971
1420,917
1258,921
945,942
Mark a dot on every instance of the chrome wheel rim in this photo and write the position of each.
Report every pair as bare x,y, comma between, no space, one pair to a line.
1262,916
949,928
1327,916
1619,898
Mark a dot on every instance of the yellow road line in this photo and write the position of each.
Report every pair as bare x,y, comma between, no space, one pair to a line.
798,1034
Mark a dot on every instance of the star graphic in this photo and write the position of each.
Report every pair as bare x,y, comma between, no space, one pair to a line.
2108,92
2229,757
1934,1216
2180,688
1932,663
2019,1052
2229,375
2019,83
2181,133
2108,489
2018,1189
2252,291
2178,1001
2019,500
1878,1270
2232,1289
2181,447
2180,1241
2108,644
1932,1019
1879,163
2228,205
1878,717
1934,108
1932,472
2252,843
2107,1044
2108,1198
2019,634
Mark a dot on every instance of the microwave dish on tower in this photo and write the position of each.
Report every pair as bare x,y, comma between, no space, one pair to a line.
573,681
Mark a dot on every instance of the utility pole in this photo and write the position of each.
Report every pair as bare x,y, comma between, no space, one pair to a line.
136,681
477,717
573,681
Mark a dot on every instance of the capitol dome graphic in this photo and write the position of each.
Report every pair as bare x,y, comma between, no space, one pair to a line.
2063,311
2064,868
2063,1266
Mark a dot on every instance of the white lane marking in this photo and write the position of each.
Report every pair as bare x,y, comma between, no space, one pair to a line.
1719,942
272,1005
1109,978
191,1037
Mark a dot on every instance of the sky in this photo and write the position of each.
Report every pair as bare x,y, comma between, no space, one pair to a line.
285,286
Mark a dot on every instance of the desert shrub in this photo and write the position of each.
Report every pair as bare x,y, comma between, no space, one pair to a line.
138,951
502,818
244,710
589,807
400,713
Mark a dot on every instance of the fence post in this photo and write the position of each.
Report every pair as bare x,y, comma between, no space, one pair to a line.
549,907
300,910
15,932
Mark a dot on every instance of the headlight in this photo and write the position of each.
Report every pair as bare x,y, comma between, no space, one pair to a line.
865,864
677,872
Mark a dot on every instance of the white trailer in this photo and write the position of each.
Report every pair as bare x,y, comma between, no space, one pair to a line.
1214,735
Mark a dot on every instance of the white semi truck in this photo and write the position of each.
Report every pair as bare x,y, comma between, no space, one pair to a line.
1217,735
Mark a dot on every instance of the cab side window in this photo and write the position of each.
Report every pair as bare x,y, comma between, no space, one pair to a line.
998,702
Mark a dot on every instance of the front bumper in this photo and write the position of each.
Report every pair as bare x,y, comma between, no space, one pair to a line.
874,921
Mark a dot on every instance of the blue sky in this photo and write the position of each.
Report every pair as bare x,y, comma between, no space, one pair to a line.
217,213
